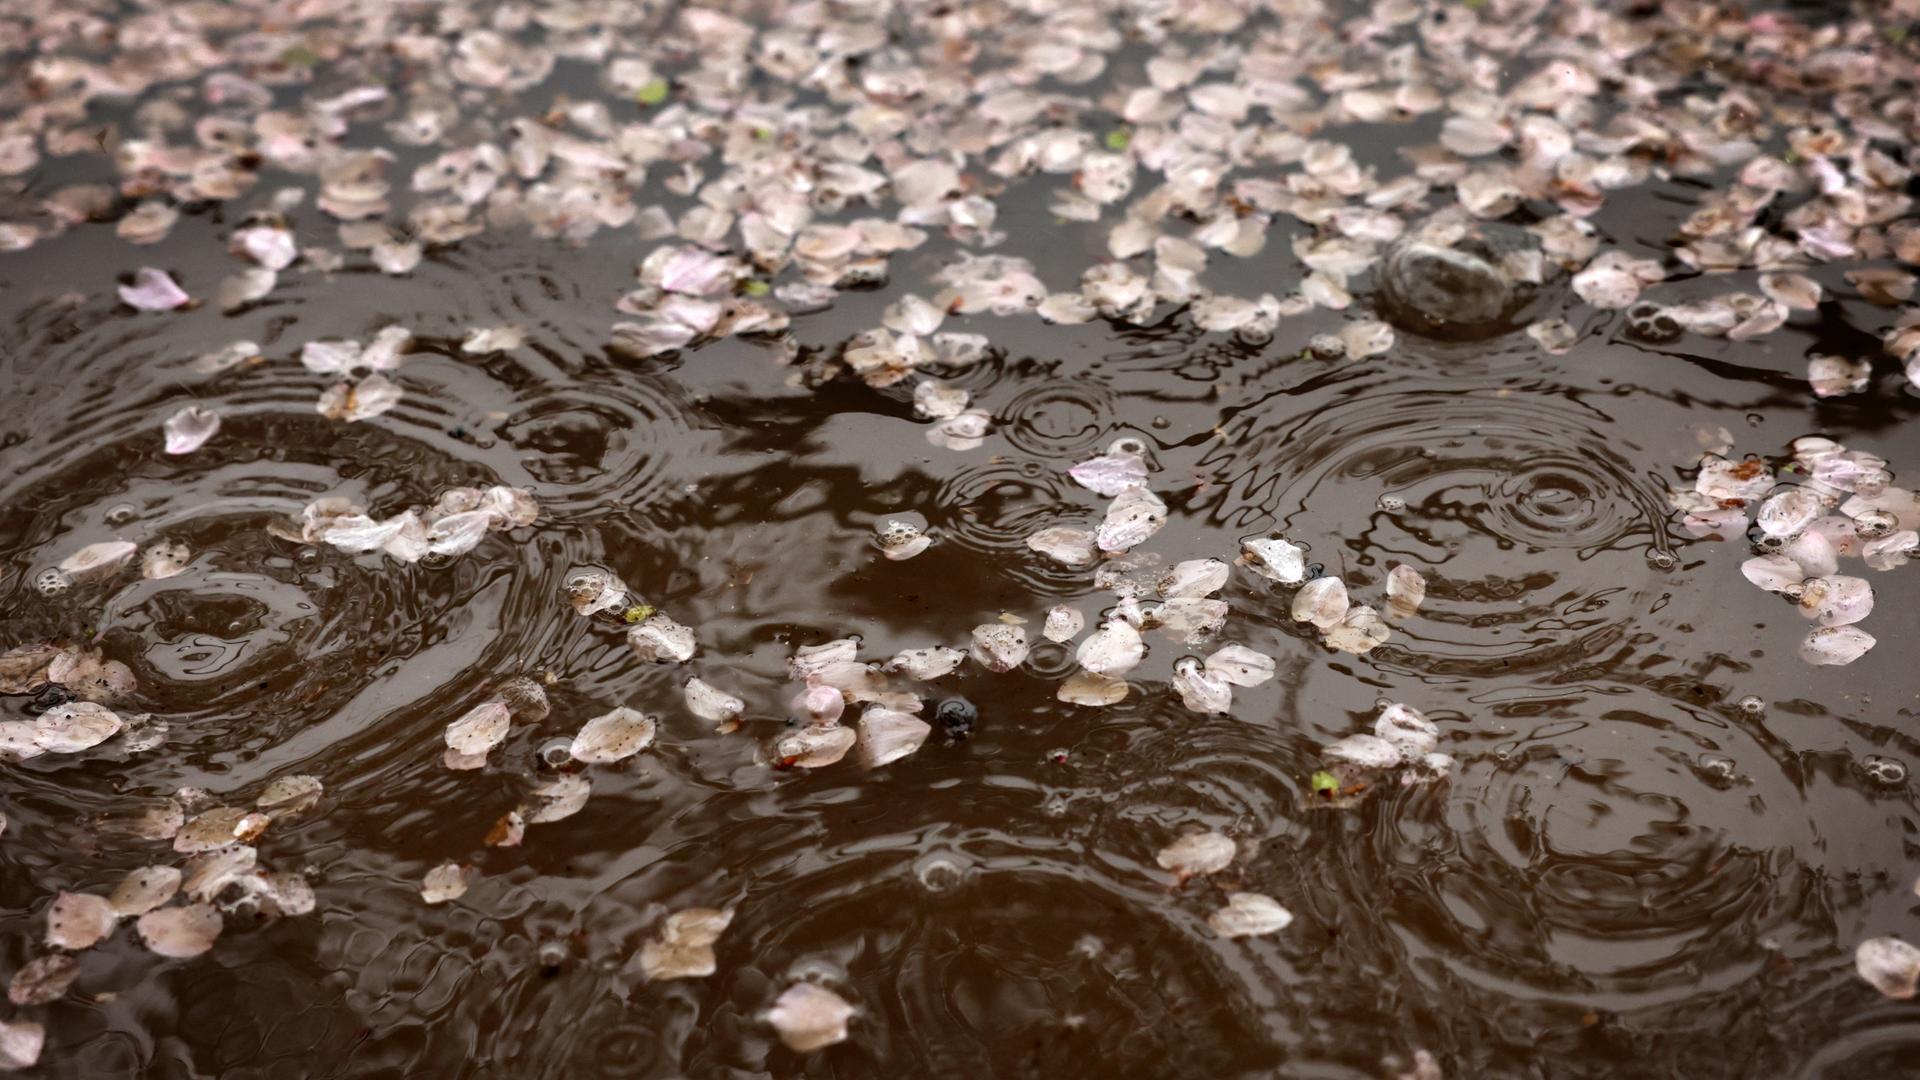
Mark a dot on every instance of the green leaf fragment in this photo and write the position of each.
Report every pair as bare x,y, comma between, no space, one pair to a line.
299,56
756,288
639,613
1325,783
652,92
1119,139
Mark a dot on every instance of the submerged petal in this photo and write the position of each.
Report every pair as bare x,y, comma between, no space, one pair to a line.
1197,855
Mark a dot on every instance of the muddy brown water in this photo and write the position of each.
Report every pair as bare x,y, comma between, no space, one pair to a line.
1630,874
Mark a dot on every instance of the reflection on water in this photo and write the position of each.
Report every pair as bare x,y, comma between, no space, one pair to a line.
1662,838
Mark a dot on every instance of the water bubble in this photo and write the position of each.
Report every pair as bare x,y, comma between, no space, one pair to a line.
817,969
957,715
1055,806
1161,423
1127,444
1327,346
121,513
1753,703
1884,771
52,581
1650,322
556,752
1392,504
939,872
1874,523
552,955
1717,770
1662,560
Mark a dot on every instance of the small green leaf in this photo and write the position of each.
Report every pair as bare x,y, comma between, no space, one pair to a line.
1325,783
1896,34
1474,5
763,134
1118,139
756,288
652,92
638,613
299,56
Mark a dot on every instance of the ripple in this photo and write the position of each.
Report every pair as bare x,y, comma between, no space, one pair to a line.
991,509
1487,492
609,446
1062,419
966,952
1635,859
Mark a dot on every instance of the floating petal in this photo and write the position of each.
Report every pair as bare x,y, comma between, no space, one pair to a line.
1249,915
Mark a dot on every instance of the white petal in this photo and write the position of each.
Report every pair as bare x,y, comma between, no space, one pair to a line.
999,647
153,290
144,889
493,339
556,799
482,728
1774,573
1889,965
1892,550
661,639
1113,650
1410,733
181,932
1133,516
1194,577
1365,751
103,557
709,703
1836,645
1063,623
190,428
1086,688
164,560
76,726
887,735
809,1017
1197,855
815,746
1201,690
368,398
1240,665
1069,547
1786,512
1249,915
927,664
613,736
20,1044
445,882
1406,590
1359,631
1275,560
1110,474
1838,600
1322,602
79,920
